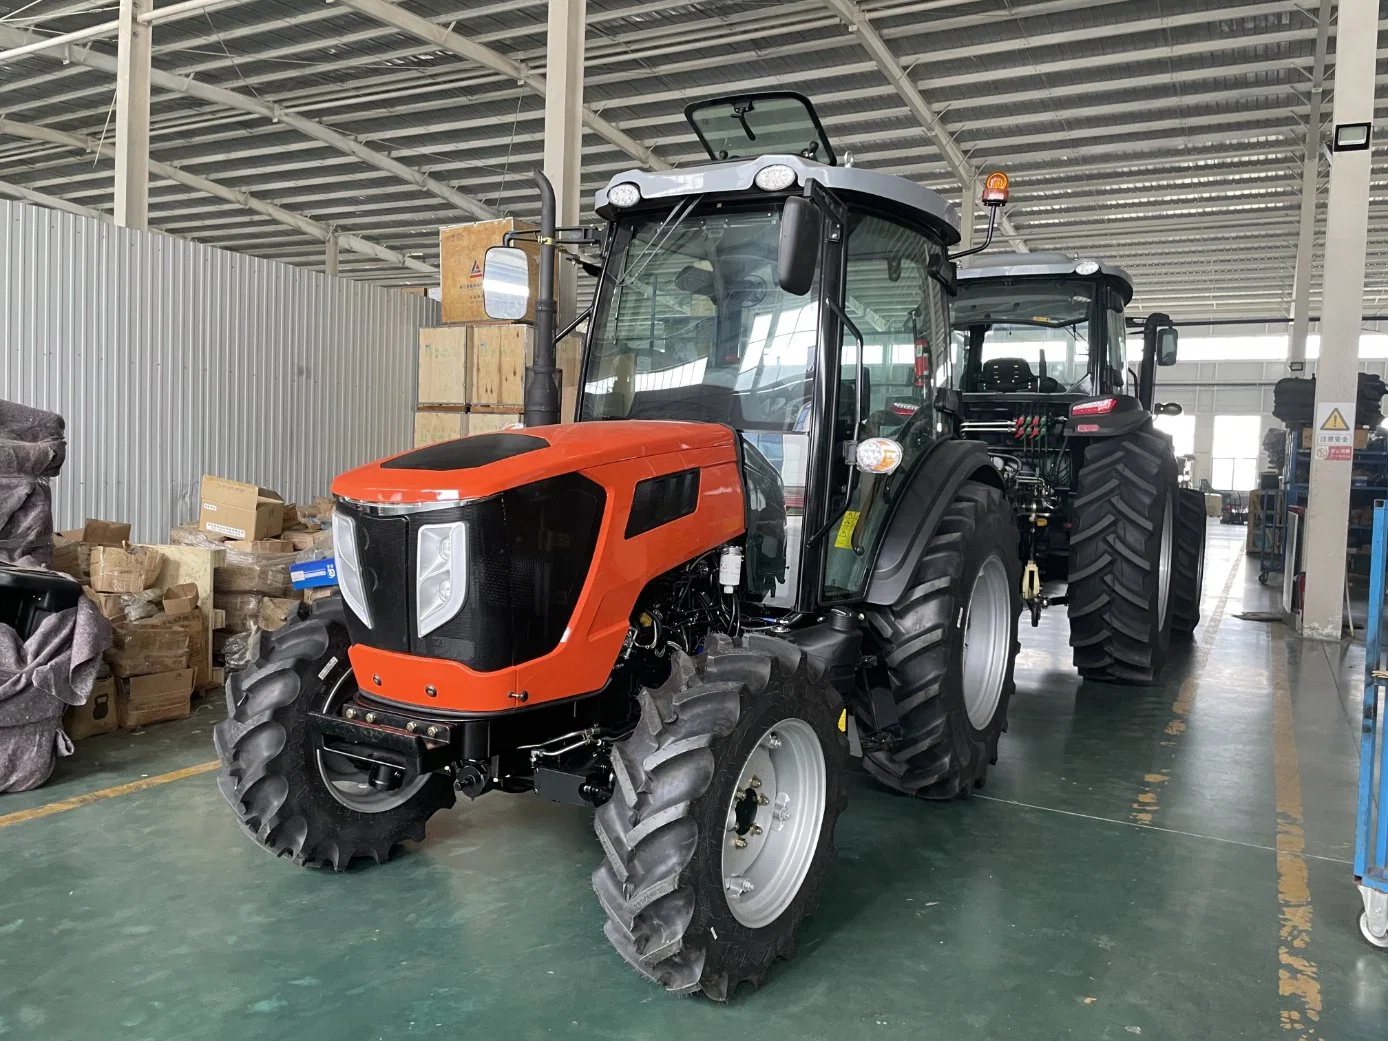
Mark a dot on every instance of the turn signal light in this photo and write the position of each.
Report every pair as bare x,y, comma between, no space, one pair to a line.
1097,407
995,188
878,455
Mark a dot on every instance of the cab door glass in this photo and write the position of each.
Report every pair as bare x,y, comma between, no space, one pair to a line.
900,311
1118,345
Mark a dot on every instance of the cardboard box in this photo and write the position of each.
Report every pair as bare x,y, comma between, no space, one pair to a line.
443,365
181,599
97,716
124,570
260,545
149,646
155,698
105,533
270,579
109,604
240,510
67,554
462,252
292,518
240,611
276,611
303,541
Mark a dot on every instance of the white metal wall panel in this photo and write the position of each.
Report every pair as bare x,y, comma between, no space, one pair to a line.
169,359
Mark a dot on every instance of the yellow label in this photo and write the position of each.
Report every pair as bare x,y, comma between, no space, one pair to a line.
1334,421
844,539
843,722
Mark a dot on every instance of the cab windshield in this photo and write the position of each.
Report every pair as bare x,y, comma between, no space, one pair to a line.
691,325
1019,336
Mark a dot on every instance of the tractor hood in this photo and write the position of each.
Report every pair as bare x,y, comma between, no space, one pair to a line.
488,464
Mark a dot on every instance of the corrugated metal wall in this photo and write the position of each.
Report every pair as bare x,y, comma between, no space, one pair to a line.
169,359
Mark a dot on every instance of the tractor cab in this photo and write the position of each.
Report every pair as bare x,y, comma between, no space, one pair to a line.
800,303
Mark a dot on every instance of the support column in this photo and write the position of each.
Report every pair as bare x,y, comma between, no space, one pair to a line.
330,256
1346,237
968,210
132,116
1310,180
564,132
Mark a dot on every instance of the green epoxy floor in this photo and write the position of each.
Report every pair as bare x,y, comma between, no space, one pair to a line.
1039,910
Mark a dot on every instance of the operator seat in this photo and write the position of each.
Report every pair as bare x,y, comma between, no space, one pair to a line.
1006,376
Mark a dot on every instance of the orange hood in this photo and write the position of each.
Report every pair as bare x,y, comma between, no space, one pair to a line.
425,474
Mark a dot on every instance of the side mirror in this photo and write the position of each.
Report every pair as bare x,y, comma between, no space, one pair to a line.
1166,346
797,250
506,283
1171,408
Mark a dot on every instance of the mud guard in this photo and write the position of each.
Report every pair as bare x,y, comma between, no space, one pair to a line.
919,510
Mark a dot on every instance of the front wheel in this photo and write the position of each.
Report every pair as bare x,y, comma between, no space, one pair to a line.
950,646
720,829
290,796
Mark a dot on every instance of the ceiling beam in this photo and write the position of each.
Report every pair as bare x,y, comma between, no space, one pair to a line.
18,191
900,79
465,47
277,114
312,228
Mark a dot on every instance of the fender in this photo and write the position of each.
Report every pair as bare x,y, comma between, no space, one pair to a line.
918,511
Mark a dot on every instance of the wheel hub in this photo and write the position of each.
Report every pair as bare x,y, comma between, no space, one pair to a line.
773,822
987,643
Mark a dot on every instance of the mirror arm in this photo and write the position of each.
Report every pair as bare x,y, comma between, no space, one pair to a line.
988,238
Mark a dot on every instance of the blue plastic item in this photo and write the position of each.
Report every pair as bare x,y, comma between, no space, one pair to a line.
313,574
1371,822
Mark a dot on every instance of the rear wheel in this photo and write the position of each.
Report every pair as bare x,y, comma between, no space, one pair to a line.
293,798
720,829
1122,553
1188,565
949,647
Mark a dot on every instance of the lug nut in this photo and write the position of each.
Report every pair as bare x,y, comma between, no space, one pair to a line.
762,800
756,829
773,742
755,782
739,843
371,717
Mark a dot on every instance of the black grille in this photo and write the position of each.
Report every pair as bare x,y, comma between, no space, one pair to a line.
529,551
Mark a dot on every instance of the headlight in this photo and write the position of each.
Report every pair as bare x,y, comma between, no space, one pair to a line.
774,178
1087,267
624,195
349,578
440,575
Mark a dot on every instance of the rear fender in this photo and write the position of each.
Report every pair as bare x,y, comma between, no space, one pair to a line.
918,511
1127,416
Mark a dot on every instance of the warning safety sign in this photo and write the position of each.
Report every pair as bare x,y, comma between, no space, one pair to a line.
1334,430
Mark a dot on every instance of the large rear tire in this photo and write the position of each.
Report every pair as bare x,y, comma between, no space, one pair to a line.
1121,558
1188,566
289,796
721,826
950,645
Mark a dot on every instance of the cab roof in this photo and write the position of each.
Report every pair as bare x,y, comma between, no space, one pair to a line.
896,193
1024,265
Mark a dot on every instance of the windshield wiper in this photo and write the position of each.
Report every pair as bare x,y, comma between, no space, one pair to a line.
662,234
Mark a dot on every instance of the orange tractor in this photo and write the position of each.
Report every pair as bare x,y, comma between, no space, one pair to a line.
753,552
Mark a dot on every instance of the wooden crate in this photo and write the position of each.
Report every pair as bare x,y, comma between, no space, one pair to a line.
497,369
438,425
462,250
443,365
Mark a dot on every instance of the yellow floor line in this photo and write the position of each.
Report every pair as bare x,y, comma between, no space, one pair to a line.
1148,799
63,805
1298,981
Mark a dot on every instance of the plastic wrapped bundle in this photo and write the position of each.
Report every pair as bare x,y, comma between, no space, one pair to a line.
32,449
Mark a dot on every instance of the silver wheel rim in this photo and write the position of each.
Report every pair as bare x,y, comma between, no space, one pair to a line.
348,780
1164,565
773,822
987,642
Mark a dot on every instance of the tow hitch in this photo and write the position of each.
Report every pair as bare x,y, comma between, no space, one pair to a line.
1032,597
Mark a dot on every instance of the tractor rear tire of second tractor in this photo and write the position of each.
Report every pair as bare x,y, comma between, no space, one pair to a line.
720,829
949,647
1122,552
1188,563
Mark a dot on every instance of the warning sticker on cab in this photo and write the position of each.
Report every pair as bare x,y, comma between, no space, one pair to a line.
844,539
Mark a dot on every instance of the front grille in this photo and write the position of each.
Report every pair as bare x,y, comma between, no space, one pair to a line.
529,551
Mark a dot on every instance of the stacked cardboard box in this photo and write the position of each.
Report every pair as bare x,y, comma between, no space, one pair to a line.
72,549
